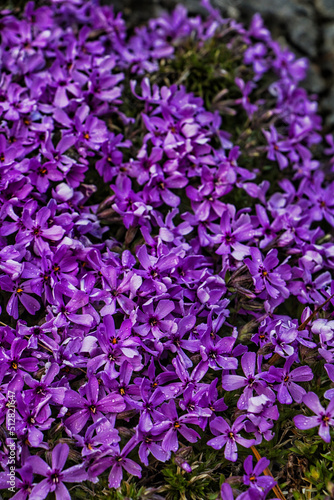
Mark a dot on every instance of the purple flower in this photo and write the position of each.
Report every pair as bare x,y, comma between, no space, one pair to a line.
229,436
232,231
171,423
13,363
205,198
155,269
150,443
324,417
330,372
91,406
266,273
118,461
38,230
281,335
256,55
66,311
218,354
210,399
258,30
20,292
117,346
55,476
105,436
246,89
17,103
251,381
288,390
42,174
153,320
24,485
253,476
42,389
157,190
33,420
226,492
277,147
322,203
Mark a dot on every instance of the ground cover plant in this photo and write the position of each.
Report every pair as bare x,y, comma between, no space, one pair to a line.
167,213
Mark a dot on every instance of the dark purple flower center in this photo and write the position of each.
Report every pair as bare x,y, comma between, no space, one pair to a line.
181,272
42,171
153,321
93,408
14,365
263,271
55,477
325,419
154,273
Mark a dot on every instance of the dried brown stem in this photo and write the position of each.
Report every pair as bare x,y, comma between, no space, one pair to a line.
276,489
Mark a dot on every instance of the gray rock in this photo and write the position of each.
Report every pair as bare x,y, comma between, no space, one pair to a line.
304,34
327,49
328,103
292,17
280,9
328,37
314,82
325,8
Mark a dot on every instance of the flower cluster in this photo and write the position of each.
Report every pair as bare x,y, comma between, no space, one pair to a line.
136,288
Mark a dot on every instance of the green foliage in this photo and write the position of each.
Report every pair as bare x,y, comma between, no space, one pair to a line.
202,483
204,70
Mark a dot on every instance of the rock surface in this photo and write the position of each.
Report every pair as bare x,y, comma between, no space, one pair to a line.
306,26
